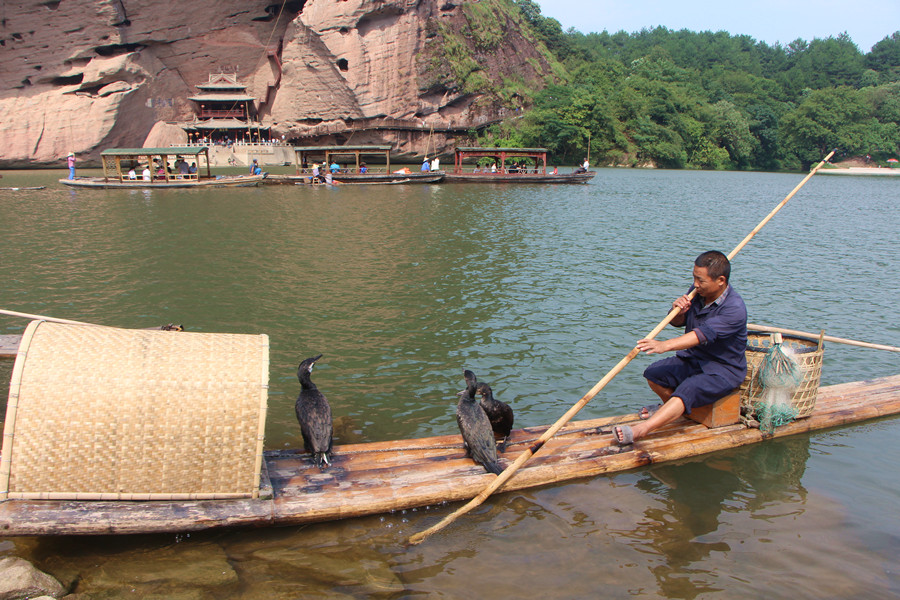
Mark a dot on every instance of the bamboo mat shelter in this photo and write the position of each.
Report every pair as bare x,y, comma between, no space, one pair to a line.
100,413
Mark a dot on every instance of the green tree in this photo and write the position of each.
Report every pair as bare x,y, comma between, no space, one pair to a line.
884,58
833,118
826,63
730,130
764,127
657,143
549,29
705,99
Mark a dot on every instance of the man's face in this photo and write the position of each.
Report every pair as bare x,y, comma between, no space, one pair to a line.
707,287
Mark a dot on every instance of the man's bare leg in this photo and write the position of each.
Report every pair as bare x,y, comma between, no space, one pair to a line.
664,394
668,412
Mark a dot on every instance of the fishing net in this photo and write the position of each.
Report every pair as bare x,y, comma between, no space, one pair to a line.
779,377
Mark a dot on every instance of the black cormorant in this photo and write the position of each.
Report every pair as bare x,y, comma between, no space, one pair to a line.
314,415
476,428
499,413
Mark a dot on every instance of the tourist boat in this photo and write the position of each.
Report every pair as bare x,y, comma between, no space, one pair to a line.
283,487
353,169
506,169
117,162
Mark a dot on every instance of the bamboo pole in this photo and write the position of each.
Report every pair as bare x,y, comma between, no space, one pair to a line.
526,456
13,313
827,338
589,147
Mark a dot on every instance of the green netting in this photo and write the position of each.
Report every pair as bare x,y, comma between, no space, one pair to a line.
779,378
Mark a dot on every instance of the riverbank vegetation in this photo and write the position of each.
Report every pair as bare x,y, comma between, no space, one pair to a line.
684,99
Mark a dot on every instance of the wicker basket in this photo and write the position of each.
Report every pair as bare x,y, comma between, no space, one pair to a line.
99,413
808,354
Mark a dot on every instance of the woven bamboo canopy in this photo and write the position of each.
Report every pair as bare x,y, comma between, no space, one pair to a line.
100,413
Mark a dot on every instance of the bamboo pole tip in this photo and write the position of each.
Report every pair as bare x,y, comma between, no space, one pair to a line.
418,538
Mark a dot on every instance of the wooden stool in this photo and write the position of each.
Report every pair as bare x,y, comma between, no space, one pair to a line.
722,412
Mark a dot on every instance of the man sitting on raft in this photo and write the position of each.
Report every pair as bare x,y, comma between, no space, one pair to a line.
710,360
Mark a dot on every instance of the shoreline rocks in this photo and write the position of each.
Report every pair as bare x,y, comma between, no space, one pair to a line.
19,579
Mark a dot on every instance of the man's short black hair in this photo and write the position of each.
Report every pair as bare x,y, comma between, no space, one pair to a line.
716,264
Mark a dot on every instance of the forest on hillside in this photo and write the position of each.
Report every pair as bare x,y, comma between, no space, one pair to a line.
708,100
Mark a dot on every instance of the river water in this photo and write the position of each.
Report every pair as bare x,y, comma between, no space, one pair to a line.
540,290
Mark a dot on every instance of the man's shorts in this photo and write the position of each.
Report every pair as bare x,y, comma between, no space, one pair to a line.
691,384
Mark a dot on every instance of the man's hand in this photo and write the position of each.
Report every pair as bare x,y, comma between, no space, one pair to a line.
682,304
652,346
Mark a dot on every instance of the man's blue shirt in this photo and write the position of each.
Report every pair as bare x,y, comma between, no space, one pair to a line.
722,330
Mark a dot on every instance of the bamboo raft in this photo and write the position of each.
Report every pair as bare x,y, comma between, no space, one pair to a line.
380,477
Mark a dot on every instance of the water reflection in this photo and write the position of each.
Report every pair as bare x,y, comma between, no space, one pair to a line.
692,496
540,291
635,534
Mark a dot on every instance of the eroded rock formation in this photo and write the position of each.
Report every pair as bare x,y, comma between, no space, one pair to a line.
84,76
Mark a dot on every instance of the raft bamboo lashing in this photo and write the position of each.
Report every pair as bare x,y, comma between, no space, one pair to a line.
379,477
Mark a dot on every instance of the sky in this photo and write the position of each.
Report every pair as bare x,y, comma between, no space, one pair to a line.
767,21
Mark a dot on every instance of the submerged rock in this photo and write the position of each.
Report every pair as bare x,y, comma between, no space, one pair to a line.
20,579
181,566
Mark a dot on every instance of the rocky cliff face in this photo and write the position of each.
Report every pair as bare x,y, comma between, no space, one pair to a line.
84,76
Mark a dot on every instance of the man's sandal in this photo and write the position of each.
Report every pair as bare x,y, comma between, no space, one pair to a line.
649,409
627,435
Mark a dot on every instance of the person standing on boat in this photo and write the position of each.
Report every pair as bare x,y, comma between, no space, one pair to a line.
710,360
70,160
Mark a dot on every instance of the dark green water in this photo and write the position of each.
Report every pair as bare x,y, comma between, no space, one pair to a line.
540,290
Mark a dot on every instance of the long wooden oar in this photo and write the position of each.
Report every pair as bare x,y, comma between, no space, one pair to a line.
827,338
526,456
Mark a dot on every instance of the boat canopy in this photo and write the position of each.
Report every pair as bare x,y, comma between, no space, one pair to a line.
539,155
186,150
304,153
485,151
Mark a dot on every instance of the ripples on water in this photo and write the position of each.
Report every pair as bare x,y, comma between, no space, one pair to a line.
540,290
